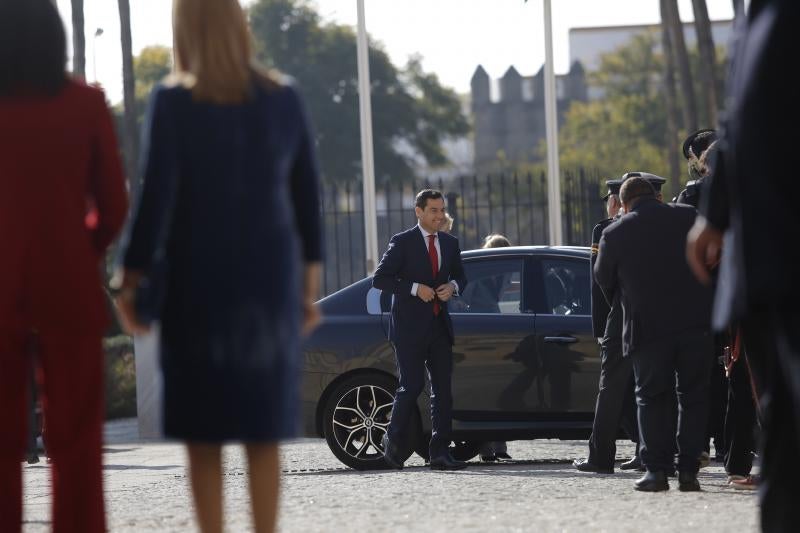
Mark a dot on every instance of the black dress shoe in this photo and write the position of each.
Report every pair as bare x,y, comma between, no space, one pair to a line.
583,465
634,464
503,456
446,462
653,482
390,454
687,482
488,458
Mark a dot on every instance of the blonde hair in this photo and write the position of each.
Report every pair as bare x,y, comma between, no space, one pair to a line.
213,51
447,223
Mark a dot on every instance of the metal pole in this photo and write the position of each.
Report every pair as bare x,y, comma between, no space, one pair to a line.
367,160
97,33
551,123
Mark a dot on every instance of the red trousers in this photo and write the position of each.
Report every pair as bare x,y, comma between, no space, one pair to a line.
72,379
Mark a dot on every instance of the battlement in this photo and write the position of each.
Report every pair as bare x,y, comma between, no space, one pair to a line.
515,88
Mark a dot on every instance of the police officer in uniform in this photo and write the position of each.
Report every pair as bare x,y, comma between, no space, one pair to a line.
697,149
666,322
615,405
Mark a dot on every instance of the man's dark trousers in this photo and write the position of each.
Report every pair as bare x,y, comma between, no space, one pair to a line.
655,366
740,421
431,350
615,405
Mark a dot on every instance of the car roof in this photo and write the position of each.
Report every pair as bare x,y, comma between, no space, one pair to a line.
575,251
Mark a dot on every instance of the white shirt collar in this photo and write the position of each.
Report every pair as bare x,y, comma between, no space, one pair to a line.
426,233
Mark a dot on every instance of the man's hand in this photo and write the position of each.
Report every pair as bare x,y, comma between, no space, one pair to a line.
703,247
425,293
445,291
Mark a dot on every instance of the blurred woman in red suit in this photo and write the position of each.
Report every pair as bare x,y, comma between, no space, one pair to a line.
58,161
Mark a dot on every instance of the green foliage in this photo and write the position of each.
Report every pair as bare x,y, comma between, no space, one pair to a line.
120,377
150,67
412,113
627,129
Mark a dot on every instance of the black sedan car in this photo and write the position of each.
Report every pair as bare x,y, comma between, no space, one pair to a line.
525,364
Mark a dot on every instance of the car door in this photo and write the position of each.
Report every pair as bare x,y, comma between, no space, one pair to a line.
567,354
490,321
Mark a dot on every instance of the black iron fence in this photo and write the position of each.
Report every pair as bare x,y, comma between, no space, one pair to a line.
515,206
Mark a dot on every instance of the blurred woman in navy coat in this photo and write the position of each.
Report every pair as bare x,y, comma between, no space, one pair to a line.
229,211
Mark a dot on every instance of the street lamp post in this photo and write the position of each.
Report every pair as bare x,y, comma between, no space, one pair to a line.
367,159
551,127
97,33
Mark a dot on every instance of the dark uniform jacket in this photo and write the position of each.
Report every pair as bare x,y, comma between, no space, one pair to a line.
600,307
691,194
642,259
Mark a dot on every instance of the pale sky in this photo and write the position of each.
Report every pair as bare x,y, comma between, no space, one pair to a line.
453,36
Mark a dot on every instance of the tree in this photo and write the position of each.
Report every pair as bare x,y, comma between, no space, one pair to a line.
672,20
708,62
412,112
78,40
151,66
625,130
671,99
130,130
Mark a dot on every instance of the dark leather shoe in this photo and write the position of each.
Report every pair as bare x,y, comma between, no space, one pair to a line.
652,482
390,454
446,462
488,458
687,482
503,456
583,465
634,464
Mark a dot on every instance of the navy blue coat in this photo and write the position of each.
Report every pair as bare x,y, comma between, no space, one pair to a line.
406,262
230,199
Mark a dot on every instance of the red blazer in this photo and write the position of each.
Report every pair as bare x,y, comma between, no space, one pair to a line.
62,202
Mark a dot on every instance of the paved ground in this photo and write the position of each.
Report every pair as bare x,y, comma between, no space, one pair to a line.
147,490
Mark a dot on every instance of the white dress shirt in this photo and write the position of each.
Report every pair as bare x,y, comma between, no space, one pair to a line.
438,255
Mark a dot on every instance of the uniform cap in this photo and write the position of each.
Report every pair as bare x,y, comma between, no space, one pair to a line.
698,142
652,179
613,188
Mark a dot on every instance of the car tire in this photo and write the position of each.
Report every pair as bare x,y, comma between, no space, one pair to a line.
356,417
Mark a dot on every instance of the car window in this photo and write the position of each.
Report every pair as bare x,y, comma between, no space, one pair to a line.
494,285
566,286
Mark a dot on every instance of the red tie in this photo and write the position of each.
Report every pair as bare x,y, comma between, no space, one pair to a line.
434,266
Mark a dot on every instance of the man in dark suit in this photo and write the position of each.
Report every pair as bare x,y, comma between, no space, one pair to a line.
615,404
422,269
751,203
665,328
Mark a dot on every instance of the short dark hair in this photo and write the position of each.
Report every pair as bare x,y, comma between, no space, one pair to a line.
33,48
427,194
635,189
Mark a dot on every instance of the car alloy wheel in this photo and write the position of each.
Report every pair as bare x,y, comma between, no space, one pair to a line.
360,420
356,418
